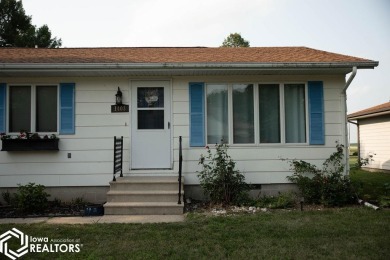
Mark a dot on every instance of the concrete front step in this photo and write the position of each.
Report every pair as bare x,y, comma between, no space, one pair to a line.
140,183
143,208
143,196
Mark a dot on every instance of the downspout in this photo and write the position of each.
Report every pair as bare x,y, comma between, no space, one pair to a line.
344,92
354,71
358,136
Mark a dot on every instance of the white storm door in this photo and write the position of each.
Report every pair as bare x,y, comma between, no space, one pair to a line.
151,125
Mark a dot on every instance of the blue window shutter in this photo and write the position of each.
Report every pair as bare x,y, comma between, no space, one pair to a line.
67,108
3,89
197,117
316,112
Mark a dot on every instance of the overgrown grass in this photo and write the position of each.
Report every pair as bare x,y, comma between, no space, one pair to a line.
351,233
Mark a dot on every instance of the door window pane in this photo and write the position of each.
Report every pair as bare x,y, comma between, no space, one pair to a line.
150,97
150,119
243,114
269,113
217,114
294,98
20,109
46,117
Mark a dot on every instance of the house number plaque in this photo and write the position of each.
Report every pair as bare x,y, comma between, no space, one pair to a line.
119,108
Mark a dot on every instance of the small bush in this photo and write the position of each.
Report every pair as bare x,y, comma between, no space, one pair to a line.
328,186
31,198
6,197
281,201
219,178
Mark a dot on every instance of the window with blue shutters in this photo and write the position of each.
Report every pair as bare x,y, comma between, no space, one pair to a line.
37,108
287,113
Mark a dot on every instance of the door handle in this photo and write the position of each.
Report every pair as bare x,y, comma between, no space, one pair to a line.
169,125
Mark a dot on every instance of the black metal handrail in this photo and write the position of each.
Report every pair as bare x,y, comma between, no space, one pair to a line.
118,156
180,168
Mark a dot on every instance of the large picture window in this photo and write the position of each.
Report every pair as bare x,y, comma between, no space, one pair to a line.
33,108
277,116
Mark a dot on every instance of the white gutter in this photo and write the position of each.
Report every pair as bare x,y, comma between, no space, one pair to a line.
370,115
126,66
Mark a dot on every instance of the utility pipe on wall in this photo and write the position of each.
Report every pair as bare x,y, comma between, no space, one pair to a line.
344,92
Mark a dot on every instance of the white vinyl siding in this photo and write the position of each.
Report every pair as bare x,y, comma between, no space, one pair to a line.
91,147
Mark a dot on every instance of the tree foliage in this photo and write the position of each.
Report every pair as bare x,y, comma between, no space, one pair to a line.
16,29
234,40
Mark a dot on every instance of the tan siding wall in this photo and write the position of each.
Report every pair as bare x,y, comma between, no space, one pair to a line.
375,139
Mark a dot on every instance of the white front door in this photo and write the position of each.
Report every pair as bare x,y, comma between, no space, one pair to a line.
150,125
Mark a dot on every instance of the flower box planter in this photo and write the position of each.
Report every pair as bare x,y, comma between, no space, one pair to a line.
30,145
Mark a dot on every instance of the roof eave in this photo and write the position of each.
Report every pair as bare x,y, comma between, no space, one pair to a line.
374,114
89,69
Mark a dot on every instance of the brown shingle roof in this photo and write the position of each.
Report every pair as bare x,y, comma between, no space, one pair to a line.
173,55
385,107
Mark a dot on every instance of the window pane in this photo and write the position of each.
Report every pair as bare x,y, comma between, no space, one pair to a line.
269,113
217,114
150,97
243,114
20,109
46,118
150,119
294,98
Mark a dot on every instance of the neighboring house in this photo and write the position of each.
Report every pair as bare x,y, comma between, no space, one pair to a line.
374,135
267,103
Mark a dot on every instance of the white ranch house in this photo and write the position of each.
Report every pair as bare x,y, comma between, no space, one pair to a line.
266,103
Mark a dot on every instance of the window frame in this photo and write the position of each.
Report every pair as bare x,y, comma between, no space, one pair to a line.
256,113
33,108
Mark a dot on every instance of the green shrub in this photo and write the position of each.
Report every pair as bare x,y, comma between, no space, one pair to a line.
327,186
6,197
219,178
31,198
281,201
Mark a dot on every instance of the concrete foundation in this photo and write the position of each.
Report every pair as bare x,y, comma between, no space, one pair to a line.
98,194
259,190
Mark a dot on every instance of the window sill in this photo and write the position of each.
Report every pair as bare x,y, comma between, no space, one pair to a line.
30,145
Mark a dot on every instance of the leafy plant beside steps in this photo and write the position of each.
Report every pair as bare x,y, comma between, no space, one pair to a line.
219,178
29,198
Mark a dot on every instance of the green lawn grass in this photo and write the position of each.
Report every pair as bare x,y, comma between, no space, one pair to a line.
370,185
350,233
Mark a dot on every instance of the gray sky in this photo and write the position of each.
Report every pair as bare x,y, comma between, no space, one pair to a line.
353,27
